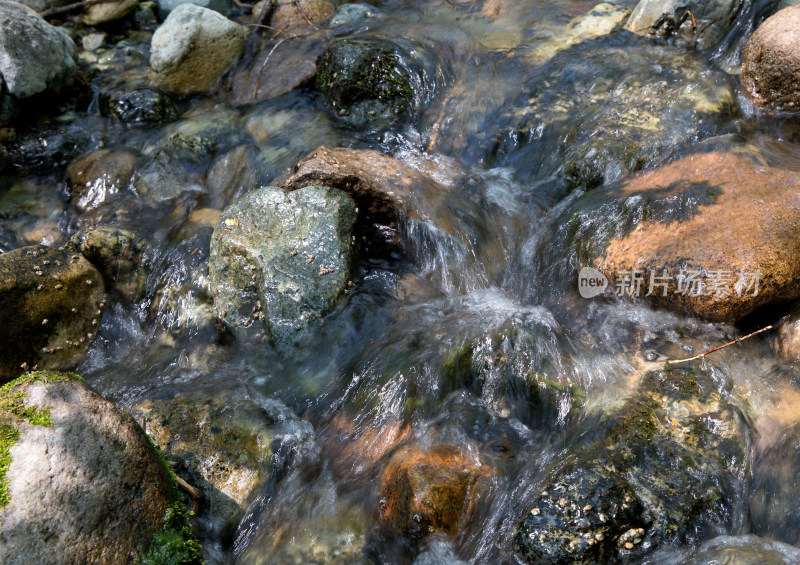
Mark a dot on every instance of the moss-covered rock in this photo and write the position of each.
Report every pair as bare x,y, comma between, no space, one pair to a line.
365,76
79,480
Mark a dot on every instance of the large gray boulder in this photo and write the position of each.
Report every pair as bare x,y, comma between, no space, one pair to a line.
83,484
51,301
193,49
34,56
280,260
699,25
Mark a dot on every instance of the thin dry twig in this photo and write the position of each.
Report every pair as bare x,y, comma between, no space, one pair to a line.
263,66
748,336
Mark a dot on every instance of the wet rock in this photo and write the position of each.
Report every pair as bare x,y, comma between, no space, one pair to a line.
42,5
744,550
774,508
83,483
119,256
700,26
352,13
145,16
108,11
142,106
601,20
428,490
384,188
98,176
608,107
771,64
291,64
226,445
294,17
719,274
93,41
54,145
579,518
280,260
667,467
51,303
167,6
366,77
193,48
35,57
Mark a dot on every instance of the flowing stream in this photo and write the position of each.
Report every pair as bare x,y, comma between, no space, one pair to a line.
475,334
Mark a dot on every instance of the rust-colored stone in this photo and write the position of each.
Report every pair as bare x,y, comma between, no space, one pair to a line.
751,225
771,65
427,491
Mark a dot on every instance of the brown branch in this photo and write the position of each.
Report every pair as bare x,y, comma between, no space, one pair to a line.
70,7
735,341
195,494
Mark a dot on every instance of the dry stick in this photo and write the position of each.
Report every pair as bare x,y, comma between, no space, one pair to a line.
195,494
263,65
675,362
69,7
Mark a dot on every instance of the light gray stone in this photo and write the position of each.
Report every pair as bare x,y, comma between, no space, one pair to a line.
88,488
34,56
193,49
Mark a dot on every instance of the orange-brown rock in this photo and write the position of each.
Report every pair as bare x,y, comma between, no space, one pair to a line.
431,490
771,64
725,223
297,16
356,448
383,187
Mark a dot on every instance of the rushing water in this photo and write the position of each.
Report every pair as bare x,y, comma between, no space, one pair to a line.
485,271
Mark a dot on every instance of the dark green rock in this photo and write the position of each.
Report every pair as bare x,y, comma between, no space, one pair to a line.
682,446
364,74
144,106
280,260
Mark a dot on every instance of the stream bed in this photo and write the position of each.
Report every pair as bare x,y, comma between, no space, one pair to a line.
462,402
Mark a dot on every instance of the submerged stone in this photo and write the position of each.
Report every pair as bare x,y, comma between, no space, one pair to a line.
608,107
667,468
280,260
225,445
98,176
700,25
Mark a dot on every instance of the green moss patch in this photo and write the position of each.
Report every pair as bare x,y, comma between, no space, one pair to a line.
14,411
176,543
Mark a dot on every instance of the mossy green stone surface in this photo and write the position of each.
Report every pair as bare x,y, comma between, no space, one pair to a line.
13,410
